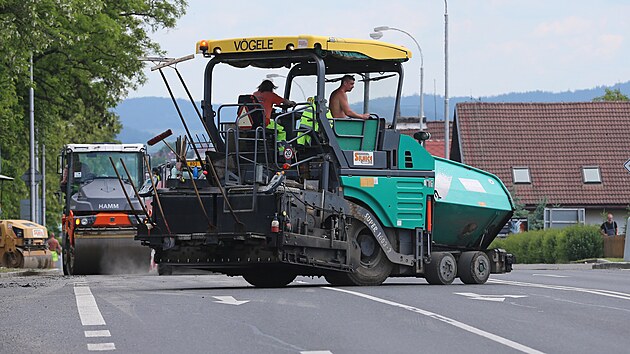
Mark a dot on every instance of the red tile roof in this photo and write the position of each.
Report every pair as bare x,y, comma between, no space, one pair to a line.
555,140
436,128
435,145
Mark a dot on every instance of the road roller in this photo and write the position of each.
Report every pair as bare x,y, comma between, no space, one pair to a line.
102,208
23,245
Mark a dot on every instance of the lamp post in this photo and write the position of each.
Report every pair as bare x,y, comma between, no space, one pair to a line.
446,118
271,76
378,34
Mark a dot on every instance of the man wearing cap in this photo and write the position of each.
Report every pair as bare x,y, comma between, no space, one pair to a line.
268,99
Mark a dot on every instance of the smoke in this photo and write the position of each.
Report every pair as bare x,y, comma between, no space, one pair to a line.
127,261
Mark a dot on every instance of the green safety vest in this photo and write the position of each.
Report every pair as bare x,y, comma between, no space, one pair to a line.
306,122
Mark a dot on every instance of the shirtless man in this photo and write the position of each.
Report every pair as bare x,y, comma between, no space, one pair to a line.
339,106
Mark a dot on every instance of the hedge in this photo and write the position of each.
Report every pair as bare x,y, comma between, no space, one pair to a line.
554,245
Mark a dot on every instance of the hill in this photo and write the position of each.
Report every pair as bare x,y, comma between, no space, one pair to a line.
145,117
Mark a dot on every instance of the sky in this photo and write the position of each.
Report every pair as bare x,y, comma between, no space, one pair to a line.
494,46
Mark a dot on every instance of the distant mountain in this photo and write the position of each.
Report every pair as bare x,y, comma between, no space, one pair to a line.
145,117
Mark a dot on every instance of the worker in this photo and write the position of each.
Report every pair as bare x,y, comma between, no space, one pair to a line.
306,122
339,100
268,99
55,249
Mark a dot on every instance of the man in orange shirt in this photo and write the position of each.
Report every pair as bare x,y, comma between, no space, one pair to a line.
268,98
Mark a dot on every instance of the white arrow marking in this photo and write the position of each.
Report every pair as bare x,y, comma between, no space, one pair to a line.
496,298
229,300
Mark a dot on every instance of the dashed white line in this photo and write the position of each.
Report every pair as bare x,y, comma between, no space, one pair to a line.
452,322
316,352
86,304
99,347
550,275
91,316
92,334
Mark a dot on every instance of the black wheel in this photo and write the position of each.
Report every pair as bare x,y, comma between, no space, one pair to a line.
473,267
374,267
442,270
164,269
269,279
14,259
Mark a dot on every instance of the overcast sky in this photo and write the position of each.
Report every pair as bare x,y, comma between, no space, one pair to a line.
495,46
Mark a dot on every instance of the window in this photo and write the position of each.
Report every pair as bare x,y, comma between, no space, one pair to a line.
521,175
591,174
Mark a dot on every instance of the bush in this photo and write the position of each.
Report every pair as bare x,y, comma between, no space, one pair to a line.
583,242
553,245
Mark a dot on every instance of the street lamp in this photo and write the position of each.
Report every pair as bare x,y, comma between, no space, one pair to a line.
378,34
446,118
272,76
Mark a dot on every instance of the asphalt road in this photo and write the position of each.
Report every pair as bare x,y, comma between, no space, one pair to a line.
552,311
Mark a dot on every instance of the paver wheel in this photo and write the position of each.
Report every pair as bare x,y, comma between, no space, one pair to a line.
442,270
473,267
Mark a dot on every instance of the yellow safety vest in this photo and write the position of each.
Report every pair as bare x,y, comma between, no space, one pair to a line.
306,122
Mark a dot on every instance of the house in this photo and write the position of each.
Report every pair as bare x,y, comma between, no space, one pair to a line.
572,154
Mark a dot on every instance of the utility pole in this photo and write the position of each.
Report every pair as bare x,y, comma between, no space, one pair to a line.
446,117
32,145
43,216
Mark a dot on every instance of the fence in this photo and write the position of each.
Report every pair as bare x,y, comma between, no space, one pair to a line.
613,246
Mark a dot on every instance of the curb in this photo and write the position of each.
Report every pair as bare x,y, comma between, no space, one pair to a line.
612,265
573,266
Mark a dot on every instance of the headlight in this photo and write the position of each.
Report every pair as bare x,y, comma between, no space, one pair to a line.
85,220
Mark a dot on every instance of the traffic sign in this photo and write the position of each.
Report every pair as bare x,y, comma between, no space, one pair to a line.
26,177
627,165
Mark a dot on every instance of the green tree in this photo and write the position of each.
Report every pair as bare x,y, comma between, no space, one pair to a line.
536,219
85,60
611,95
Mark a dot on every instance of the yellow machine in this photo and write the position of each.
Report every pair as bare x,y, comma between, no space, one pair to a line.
23,245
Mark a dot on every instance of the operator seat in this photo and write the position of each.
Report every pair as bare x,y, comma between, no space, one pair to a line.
251,113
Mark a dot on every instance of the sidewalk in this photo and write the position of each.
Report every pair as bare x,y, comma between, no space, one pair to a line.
596,264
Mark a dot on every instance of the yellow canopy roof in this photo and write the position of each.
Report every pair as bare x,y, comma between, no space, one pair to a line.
347,47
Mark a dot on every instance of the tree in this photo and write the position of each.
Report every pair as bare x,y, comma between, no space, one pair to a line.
537,217
611,95
85,60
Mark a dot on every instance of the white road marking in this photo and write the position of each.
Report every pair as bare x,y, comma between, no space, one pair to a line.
229,300
99,347
86,304
609,293
496,298
447,320
316,352
551,275
92,334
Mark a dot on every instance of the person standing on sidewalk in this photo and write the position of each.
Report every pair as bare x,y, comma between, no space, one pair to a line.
609,227
55,249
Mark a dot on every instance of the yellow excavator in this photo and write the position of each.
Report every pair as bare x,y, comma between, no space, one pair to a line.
23,245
